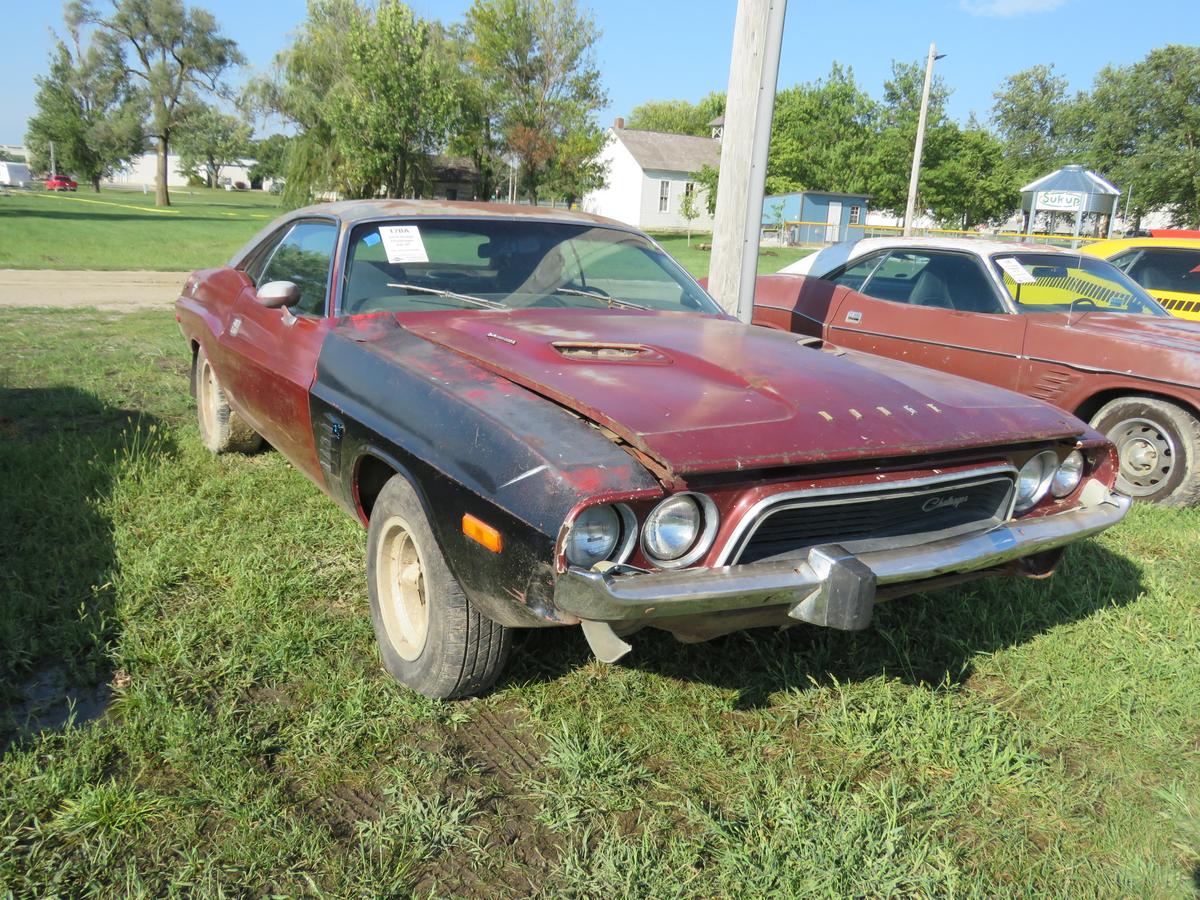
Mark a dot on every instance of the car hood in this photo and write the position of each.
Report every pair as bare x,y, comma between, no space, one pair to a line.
1167,333
706,394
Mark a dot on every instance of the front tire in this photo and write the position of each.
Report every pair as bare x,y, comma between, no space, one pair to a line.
431,638
221,429
1158,445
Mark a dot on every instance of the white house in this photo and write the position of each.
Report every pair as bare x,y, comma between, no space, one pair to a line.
143,171
649,173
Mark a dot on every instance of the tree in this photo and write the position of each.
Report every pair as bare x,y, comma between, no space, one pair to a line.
821,136
706,181
84,107
394,106
689,209
678,116
575,169
1145,131
209,140
270,158
1030,114
890,159
537,61
175,53
975,182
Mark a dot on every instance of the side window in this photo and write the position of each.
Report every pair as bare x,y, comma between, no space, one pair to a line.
1167,270
261,256
855,273
303,258
1124,260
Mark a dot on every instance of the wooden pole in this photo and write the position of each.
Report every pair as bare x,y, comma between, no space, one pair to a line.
749,107
915,176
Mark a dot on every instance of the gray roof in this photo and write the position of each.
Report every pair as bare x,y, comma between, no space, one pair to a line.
1073,178
663,152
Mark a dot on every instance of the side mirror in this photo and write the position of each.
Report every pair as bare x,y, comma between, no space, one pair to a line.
275,294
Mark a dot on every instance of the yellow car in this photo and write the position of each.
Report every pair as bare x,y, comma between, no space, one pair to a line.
1168,269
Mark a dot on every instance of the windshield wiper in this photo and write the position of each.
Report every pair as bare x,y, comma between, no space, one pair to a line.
452,295
603,298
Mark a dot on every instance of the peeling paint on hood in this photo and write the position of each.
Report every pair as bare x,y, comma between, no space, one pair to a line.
731,396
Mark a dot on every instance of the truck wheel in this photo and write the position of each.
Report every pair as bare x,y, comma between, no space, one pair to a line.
221,429
1158,444
430,636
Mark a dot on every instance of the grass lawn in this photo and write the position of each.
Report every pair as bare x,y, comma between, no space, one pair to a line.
696,261
120,229
1000,739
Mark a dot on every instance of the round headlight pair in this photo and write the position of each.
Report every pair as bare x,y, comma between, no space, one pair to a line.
600,533
1044,473
679,530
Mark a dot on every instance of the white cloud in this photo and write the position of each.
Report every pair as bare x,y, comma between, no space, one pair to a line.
1006,8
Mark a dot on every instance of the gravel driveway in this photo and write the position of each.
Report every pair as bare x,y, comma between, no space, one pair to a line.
119,291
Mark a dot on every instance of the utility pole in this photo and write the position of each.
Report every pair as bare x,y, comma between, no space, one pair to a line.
749,107
916,163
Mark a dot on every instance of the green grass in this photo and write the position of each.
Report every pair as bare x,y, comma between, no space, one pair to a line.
696,261
1004,738
120,229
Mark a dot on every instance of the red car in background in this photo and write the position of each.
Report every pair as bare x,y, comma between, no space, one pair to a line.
61,183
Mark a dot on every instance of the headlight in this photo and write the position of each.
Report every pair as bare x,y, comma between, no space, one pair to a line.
593,536
679,530
1034,479
1069,472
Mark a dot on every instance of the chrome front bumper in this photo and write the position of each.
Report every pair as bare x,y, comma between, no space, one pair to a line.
831,587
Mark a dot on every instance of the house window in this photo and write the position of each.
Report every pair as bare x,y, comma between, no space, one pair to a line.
688,188
451,193
664,195
855,215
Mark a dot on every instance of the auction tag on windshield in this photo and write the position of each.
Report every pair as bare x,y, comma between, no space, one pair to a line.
1016,271
403,244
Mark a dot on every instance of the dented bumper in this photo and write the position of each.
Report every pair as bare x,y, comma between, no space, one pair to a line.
831,586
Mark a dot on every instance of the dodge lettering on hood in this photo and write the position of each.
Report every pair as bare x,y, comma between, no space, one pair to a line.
541,419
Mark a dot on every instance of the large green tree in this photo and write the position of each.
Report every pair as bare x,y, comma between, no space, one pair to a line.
678,116
536,59
1032,115
270,157
1145,131
975,182
821,136
85,107
893,143
175,54
209,140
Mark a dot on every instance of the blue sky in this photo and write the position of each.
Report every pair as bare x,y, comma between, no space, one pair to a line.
660,49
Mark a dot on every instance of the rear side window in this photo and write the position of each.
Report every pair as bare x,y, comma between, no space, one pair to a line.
854,274
1160,269
304,258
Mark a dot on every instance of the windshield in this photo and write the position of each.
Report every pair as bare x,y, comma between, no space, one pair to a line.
1060,282
422,264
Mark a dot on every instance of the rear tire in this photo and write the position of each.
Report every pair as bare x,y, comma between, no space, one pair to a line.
1158,445
431,638
221,429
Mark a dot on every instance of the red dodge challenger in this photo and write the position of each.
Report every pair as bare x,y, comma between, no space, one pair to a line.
542,420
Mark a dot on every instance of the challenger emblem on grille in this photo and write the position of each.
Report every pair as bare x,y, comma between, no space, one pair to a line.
944,502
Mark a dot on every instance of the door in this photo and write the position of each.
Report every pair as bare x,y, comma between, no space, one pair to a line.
833,230
274,351
933,308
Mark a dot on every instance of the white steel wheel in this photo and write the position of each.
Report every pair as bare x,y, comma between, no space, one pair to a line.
431,636
402,601
221,429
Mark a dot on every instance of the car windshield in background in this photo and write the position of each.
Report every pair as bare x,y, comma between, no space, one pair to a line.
1058,282
424,264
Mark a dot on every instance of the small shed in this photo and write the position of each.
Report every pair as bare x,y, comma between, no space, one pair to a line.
1091,200
815,217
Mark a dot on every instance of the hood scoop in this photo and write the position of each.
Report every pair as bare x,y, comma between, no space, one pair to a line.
589,351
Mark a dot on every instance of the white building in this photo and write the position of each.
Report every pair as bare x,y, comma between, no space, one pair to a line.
649,173
142,171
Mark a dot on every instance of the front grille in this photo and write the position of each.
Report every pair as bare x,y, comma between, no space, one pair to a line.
903,513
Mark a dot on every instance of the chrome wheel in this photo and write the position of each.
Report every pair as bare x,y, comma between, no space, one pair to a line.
401,589
1146,452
